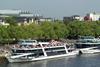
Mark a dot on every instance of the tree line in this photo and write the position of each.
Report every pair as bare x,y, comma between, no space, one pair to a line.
49,30
45,30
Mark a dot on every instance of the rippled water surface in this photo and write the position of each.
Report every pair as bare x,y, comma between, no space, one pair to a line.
88,60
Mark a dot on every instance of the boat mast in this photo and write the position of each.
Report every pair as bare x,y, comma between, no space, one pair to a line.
45,54
65,48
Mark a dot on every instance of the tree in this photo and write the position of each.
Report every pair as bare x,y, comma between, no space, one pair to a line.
60,30
79,29
47,29
11,20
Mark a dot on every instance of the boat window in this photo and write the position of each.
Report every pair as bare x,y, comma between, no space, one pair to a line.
55,48
14,54
56,53
27,41
27,51
30,41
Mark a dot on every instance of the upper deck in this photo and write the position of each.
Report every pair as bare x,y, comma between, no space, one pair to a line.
28,42
33,45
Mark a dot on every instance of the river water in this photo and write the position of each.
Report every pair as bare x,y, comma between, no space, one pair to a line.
87,60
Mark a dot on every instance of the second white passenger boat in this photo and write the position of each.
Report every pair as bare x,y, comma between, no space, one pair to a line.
31,50
88,45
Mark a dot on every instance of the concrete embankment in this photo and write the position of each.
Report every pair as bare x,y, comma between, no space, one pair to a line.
2,59
3,51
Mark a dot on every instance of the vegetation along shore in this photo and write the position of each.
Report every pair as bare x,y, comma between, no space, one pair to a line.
48,30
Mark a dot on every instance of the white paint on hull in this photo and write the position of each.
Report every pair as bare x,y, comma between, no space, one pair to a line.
43,57
90,50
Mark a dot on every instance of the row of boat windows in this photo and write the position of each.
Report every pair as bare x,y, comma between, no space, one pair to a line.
35,55
41,54
86,45
56,53
28,41
58,48
39,50
88,41
27,51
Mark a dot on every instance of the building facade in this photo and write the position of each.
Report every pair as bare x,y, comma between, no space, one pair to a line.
22,17
93,16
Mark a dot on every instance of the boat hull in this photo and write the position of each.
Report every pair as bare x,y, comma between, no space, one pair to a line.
90,50
43,57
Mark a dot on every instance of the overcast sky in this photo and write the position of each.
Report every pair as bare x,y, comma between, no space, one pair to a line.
53,8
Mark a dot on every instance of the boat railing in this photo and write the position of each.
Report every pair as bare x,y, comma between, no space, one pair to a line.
26,47
53,44
50,44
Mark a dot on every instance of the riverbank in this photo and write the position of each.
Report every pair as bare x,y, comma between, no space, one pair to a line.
2,59
4,50
2,55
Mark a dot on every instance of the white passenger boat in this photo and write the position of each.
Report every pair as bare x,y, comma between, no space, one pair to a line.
88,44
31,50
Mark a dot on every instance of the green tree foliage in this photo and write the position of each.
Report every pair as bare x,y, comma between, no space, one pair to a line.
83,28
4,36
49,30
60,30
11,20
54,30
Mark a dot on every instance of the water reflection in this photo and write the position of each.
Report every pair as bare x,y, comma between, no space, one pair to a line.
89,60
28,64
57,62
